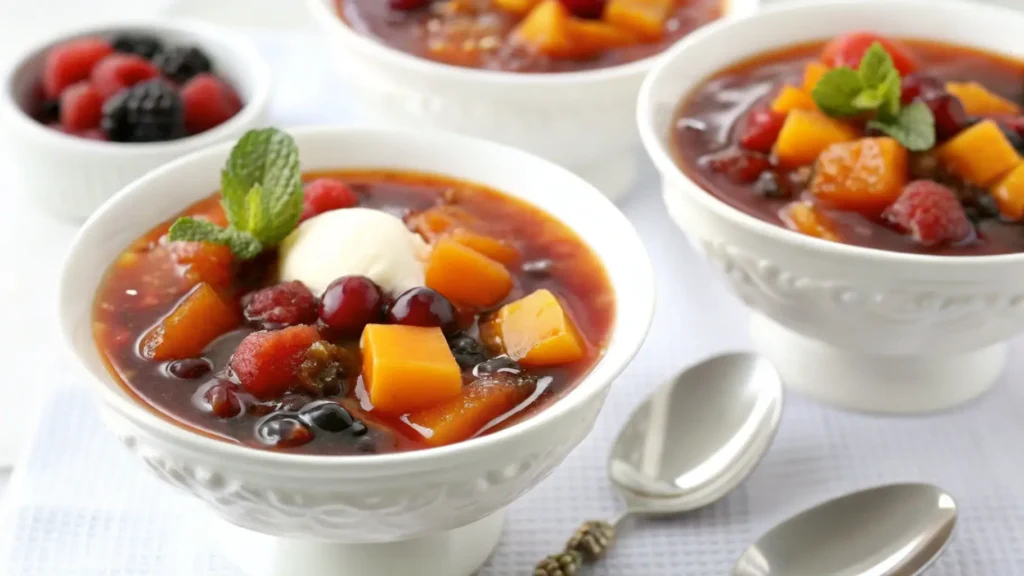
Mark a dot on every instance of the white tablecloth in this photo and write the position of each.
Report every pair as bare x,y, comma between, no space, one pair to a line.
78,505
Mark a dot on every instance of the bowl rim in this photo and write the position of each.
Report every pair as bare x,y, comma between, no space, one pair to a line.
663,159
245,457
254,66
332,21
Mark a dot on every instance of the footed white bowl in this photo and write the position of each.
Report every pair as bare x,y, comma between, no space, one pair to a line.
582,120
860,328
434,512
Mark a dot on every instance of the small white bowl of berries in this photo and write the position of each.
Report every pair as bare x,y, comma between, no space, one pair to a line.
90,111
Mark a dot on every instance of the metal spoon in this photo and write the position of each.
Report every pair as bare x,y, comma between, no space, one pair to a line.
689,444
896,530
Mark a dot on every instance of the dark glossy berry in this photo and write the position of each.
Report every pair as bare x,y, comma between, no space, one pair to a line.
1013,135
538,268
221,398
467,350
49,111
142,44
283,431
986,206
585,8
147,112
349,304
770,185
740,166
423,307
919,86
496,365
949,113
358,428
327,416
408,5
181,63
760,130
326,194
281,305
189,368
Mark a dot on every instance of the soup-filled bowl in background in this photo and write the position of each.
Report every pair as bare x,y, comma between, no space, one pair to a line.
443,66
883,271
435,510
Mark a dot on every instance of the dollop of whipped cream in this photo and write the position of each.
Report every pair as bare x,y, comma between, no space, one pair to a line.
354,241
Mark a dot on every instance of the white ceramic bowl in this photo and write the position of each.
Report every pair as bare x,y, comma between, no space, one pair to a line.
283,503
582,120
71,176
861,328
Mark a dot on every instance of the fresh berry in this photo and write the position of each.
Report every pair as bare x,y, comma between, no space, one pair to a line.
267,362
182,63
740,166
919,85
408,5
949,113
283,430
140,44
931,213
222,399
849,49
81,107
423,307
467,350
585,8
119,71
209,102
147,112
761,129
189,368
349,304
327,416
92,134
287,304
326,194
72,62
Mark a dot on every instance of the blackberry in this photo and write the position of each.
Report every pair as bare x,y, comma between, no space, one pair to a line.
147,112
141,44
182,63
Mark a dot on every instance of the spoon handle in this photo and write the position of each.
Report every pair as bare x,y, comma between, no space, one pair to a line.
591,540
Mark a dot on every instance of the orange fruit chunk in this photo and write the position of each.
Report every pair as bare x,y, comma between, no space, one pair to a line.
407,368
866,175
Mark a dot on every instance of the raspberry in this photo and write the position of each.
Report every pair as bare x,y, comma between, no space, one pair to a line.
761,129
209,102
119,71
326,194
267,363
286,304
81,107
931,213
740,166
72,62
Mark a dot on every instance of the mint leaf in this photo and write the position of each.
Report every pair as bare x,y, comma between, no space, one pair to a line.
242,244
868,100
836,91
875,66
268,161
914,127
891,91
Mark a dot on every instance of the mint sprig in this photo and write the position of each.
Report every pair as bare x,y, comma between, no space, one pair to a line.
875,88
261,192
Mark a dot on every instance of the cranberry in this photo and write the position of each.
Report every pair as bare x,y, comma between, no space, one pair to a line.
327,416
423,307
467,350
287,304
222,399
407,5
283,430
585,8
349,304
740,166
949,113
919,85
189,368
761,130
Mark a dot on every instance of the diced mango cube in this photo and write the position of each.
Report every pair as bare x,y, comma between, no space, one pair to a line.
479,404
645,18
866,175
812,73
592,37
792,98
536,330
980,154
518,7
546,30
435,222
196,321
491,247
805,134
806,218
466,276
407,368
1009,194
979,101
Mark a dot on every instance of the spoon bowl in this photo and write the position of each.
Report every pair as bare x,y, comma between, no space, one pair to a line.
895,530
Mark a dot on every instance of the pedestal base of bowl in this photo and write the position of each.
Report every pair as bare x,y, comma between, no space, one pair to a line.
614,176
872,383
458,552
